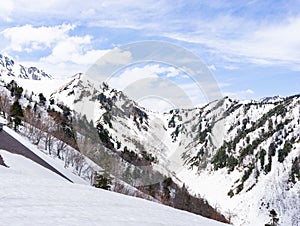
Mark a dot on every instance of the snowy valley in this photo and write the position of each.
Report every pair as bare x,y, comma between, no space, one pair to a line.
240,158
32,195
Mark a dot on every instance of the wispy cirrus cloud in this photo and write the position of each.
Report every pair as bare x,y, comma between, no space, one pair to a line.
106,13
256,32
265,45
64,36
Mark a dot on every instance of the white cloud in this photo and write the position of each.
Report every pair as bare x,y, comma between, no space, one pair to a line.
35,5
231,67
165,94
266,44
105,13
157,90
246,94
197,95
74,50
278,42
34,9
29,38
233,38
6,10
156,104
67,49
249,91
132,75
115,57
212,67
128,13
173,72
68,53
222,85
188,71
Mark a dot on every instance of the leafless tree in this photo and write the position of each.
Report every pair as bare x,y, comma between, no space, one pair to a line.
35,127
4,103
121,188
89,173
29,120
49,129
230,214
60,147
79,163
67,158
49,141
38,132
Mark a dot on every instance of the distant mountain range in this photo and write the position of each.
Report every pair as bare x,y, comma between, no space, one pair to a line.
8,67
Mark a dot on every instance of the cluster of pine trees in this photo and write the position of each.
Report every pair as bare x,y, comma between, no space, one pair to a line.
43,125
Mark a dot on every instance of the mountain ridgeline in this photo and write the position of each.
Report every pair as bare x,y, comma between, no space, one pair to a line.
237,154
225,133
8,67
52,126
253,139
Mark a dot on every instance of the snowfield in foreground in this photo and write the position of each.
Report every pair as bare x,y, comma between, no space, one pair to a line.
32,195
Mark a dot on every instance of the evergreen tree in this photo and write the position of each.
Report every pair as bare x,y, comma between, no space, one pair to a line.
42,99
18,92
52,101
274,219
295,171
262,155
16,111
103,181
14,89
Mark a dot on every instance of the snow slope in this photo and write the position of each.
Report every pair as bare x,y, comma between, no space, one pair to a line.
47,87
220,145
54,162
31,195
211,149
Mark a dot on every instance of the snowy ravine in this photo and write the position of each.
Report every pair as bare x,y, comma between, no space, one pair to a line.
241,156
32,195
237,154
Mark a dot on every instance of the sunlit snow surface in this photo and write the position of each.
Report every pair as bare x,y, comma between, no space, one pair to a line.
32,195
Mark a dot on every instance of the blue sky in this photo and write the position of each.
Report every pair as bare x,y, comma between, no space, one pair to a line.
251,47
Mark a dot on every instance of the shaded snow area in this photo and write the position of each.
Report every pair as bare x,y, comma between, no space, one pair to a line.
32,195
57,163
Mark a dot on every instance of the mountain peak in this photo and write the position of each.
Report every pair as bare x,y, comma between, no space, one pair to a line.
274,99
8,68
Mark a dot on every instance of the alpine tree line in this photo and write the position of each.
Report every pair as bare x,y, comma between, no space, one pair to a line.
54,131
43,126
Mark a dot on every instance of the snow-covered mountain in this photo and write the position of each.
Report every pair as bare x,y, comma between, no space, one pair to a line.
31,79
8,67
47,124
272,99
242,156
